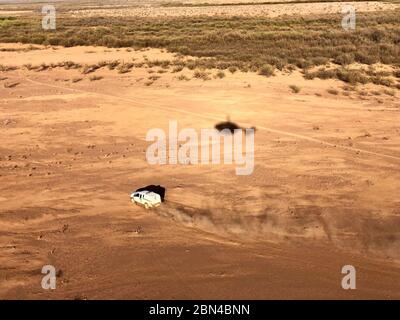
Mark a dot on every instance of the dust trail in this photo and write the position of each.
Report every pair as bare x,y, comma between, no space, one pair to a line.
378,237
199,115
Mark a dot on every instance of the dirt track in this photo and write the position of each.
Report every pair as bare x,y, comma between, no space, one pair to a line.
324,192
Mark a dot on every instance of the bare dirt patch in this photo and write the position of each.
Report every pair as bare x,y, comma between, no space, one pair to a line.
326,181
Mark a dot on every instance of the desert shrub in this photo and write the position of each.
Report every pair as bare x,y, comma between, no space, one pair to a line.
9,85
183,77
317,61
201,75
4,68
321,74
28,66
382,81
220,74
68,65
388,92
377,35
333,91
95,78
344,59
113,64
125,67
177,69
366,58
349,88
266,70
41,67
86,69
302,63
191,65
277,62
352,76
159,63
154,78
232,69
294,88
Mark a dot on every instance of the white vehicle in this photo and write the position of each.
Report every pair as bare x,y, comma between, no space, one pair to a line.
147,199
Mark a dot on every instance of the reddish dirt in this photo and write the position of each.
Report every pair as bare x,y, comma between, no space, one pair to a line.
324,192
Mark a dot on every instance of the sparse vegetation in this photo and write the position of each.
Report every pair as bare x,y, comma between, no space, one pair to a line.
257,44
220,74
177,69
95,78
89,68
183,78
10,85
154,78
201,75
75,80
113,64
245,43
232,69
294,88
333,91
389,92
266,70
4,68
125,67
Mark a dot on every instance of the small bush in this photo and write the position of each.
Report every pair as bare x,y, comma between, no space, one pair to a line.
232,69
352,76
154,78
125,67
201,75
4,68
177,69
266,70
113,64
95,78
333,91
9,85
89,68
220,74
388,92
345,59
183,77
382,81
294,88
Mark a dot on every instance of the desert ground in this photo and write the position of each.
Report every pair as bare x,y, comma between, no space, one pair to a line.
218,8
324,192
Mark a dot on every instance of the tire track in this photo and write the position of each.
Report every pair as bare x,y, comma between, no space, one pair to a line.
214,118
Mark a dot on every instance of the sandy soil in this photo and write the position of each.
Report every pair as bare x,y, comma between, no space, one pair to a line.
324,192
268,10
